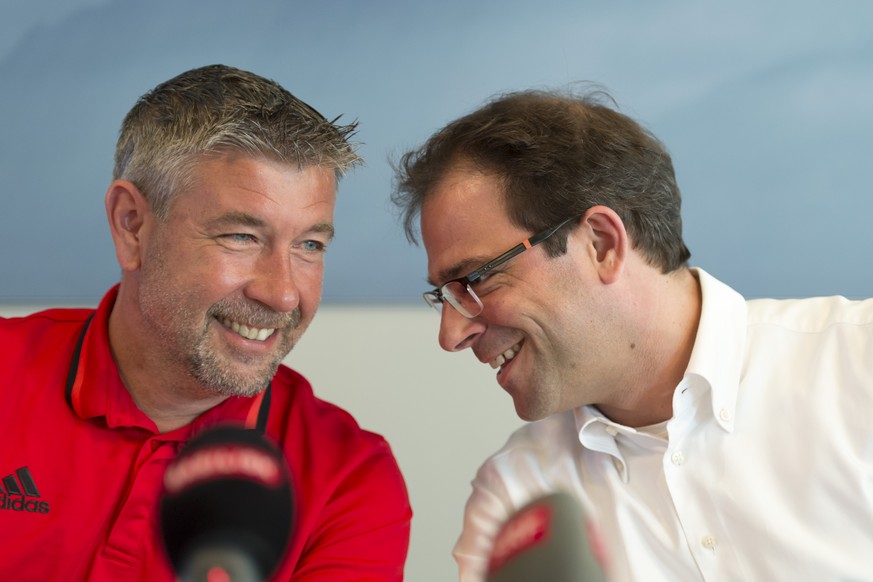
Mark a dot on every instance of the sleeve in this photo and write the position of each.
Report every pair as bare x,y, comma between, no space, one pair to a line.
504,483
363,531
486,509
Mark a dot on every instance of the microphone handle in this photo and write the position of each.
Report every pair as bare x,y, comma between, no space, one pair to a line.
220,563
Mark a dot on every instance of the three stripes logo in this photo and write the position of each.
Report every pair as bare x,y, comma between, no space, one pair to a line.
19,493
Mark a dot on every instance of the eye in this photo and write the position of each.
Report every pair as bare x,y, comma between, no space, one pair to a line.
238,238
314,246
486,282
484,276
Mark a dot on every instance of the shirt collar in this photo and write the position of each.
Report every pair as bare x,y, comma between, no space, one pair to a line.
597,433
717,356
95,389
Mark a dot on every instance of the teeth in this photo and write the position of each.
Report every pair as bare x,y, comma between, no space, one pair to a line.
247,332
505,356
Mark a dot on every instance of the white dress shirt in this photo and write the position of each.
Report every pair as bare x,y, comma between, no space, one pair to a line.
764,472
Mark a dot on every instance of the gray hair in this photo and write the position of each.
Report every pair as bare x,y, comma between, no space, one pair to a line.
216,110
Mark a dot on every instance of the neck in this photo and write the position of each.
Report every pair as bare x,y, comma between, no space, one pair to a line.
170,397
666,331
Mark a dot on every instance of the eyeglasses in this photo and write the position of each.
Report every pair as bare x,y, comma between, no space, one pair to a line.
460,294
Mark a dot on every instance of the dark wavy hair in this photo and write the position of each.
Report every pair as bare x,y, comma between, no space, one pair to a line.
557,155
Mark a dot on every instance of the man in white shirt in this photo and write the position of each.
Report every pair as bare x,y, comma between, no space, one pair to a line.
708,437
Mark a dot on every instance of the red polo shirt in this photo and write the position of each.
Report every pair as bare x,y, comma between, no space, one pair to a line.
81,466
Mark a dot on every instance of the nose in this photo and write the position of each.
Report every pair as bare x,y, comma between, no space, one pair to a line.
274,284
458,332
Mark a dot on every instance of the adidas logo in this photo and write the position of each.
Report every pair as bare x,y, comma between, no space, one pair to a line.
18,492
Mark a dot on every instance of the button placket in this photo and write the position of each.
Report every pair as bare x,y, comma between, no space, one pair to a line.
139,503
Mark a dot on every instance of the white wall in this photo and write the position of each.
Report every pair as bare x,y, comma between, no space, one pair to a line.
442,413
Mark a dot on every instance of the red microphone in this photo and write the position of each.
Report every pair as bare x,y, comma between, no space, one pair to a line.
548,540
226,511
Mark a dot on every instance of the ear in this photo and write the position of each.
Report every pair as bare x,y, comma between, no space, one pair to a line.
607,242
128,212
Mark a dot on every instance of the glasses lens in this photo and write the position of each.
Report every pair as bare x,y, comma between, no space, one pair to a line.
462,298
434,300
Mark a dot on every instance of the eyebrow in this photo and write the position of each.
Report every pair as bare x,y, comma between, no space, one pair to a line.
236,218
324,227
460,269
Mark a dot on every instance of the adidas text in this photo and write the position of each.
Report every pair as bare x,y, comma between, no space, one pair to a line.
11,503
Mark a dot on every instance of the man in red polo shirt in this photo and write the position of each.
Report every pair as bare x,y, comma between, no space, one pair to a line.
221,210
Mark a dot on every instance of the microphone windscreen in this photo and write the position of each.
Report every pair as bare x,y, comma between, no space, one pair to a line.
227,494
548,540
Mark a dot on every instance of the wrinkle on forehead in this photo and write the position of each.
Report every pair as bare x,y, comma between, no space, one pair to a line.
241,164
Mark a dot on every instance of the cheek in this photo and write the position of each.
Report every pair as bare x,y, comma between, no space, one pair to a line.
206,279
310,281
220,275
515,302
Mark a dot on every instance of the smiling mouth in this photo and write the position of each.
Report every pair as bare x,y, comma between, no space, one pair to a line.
505,356
248,332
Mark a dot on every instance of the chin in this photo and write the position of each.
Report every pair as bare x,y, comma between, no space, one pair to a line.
528,414
226,379
226,387
534,406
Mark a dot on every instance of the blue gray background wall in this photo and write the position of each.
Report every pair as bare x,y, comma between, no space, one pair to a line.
766,108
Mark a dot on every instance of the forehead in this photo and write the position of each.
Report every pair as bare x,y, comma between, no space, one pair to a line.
260,185
464,223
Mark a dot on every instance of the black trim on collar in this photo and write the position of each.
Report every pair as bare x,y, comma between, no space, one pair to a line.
74,362
264,411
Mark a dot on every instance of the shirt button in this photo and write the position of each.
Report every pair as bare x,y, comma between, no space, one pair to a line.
724,414
611,430
709,542
677,458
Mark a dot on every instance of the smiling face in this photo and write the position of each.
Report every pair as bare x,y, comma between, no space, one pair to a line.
545,322
230,281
